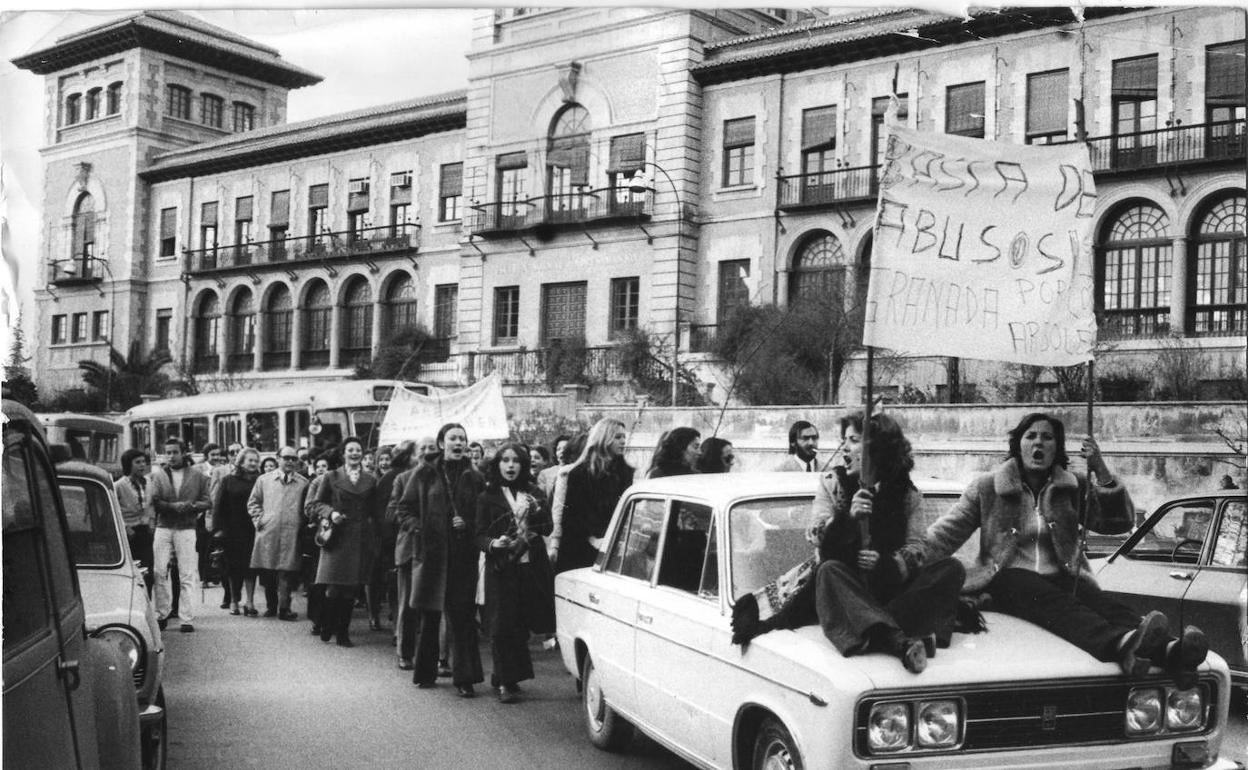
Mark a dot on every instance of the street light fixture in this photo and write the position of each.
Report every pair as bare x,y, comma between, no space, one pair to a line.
639,184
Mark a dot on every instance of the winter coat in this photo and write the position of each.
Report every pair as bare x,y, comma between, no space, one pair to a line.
403,541
587,510
506,588
444,561
349,559
995,504
231,520
276,509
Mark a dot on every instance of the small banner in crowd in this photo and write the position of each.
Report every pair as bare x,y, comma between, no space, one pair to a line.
983,250
479,408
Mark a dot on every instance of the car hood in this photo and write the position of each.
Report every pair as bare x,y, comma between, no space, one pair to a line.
111,597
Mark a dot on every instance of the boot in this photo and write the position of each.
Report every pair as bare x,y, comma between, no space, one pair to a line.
326,617
343,622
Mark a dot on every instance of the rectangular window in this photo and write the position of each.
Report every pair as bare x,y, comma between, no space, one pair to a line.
243,211
445,303
563,312
178,102
73,109
400,202
211,109
208,226
99,325
738,168
1225,99
93,103
168,232
818,141
114,99
879,131
164,320
60,332
357,195
1134,99
625,306
78,333
244,117
734,290
1048,94
512,180
450,192
964,110
318,208
506,315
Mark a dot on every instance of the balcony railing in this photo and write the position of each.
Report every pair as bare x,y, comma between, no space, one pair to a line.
606,203
240,362
702,337
532,367
308,248
1162,147
827,187
76,270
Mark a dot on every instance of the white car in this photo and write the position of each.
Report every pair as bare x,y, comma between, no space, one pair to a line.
647,634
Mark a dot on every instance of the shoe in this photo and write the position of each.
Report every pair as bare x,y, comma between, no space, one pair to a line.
250,611
225,605
327,632
287,615
1185,654
465,691
1150,636
913,654
405,664
270,613
425,685
444,668
505,694
316,629
186,628
163,623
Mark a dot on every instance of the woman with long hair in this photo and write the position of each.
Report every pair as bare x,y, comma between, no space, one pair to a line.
311,553
512,518
346,498
595,484
232,526
676,453
1028,511
716,456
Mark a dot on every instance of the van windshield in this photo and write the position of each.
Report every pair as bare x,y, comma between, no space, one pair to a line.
94,540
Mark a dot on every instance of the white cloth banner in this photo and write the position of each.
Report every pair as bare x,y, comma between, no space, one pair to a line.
479,408
983,250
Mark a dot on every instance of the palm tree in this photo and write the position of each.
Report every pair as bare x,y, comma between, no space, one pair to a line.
125,379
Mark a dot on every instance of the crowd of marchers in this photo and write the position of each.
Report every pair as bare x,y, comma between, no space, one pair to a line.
456,543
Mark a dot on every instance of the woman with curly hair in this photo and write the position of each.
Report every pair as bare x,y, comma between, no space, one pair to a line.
512,518
233,527
676,453
594,485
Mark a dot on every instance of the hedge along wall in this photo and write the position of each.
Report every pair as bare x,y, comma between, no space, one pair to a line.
1160,450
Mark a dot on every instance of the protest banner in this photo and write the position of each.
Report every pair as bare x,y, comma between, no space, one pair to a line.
983,250
479,408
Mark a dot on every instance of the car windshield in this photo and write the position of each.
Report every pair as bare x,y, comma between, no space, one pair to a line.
768,538
94,540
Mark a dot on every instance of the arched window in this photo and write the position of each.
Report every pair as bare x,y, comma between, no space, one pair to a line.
1217,291
93,103
317,311
567,163
243,333
82,248
357,323
73,109
113,100
207,326
1136,251
818,275
400,308
278,315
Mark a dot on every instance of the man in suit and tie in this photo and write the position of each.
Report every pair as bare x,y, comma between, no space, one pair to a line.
803,445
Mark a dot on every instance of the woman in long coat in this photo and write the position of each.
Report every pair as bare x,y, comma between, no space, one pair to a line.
512,519
595,484
232,525
346,498
435,512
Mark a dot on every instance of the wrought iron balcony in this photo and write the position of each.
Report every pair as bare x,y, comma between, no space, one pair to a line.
278,254
702,337
600,205
531,367
824,188
1163,147
77,271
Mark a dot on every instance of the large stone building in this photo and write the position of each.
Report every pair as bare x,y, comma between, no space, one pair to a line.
606,169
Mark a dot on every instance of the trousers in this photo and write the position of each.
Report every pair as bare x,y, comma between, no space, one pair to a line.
167,542
1086,617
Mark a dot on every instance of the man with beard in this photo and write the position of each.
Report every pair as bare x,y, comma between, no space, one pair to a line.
803,444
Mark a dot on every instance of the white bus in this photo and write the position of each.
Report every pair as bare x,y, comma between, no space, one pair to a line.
89,437
303,416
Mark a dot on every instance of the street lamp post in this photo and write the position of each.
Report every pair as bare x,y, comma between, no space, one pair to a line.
638,184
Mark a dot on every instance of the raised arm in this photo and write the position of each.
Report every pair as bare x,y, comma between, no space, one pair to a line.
947,534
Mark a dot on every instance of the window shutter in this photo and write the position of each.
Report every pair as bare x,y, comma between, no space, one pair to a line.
1224,74
357,196
243,208
1047,96
879,106
818,128
1135,78
318,196
208,214
512,160
739,132
452,183
963,102
279,216
628,153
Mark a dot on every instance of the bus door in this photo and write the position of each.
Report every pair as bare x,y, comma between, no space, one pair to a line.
297,421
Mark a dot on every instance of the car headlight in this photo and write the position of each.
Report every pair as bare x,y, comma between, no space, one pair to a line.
132,649
888,727
1144,711
937,724
1185,709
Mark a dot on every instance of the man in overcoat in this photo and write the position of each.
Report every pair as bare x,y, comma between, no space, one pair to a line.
276,508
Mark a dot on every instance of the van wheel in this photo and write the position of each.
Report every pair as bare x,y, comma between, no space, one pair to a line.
607,729
154,739
774,748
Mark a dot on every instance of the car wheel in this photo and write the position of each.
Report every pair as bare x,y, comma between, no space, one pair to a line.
607,729
154,738
774,748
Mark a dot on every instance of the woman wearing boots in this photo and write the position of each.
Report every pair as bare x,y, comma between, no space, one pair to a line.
232,524
346,499
512,518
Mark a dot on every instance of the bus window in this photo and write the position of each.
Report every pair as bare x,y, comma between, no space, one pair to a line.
297,422
333,427
262,431
194,432
164,432
229,430
367,425
79,442
103,447
141,435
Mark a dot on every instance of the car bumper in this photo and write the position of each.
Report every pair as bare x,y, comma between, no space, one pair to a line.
151,715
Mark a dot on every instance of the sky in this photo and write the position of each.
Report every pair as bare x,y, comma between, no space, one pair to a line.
366,57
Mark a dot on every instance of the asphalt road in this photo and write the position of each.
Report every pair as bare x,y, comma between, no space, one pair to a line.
262,693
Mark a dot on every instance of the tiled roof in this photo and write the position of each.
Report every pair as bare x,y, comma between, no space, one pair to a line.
808,25
358,128
174,33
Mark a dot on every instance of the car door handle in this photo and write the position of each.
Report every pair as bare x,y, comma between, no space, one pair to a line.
1177,575
69,670
593,598
647,619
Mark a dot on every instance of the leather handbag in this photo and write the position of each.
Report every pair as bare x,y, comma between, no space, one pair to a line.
326,534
